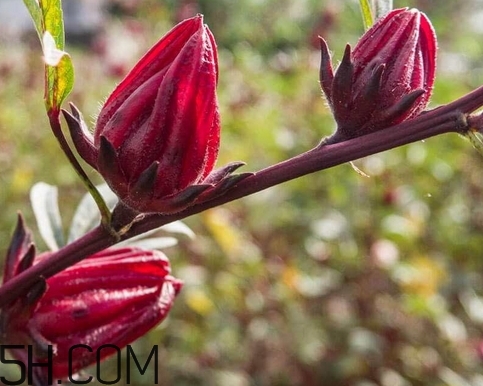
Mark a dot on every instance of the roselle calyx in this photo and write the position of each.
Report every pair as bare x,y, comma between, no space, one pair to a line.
110,298
157,136
387,78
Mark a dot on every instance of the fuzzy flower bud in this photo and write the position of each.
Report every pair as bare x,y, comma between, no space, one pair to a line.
157,136
386,79
110,298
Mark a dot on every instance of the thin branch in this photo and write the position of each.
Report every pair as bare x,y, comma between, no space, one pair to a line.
59,135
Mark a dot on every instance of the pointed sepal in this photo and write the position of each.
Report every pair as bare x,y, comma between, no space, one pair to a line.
326,73
19,247
81,137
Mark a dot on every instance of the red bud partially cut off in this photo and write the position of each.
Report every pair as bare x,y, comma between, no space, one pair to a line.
110,298
387,78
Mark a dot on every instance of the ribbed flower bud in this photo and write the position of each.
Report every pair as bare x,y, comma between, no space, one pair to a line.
386,79
110,298
157,136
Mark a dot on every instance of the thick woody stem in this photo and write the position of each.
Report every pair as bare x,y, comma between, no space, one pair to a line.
452,117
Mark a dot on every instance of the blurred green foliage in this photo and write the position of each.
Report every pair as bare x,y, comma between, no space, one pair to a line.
333,279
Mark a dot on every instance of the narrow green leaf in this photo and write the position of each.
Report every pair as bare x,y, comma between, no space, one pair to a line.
63,80
87,214
367,16
43,198
60,77
48,19
153,243
36,15
53,20
174,227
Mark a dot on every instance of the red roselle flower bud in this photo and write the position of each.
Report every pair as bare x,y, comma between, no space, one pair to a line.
386,79
157,136
112,297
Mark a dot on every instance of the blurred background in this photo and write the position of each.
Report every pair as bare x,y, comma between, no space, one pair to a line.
332,279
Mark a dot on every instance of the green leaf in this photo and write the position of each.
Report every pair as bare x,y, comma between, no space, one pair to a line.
36,15
53,20
47,16
43,198
60,77
87,215
149,240
60,81
367,17
153,243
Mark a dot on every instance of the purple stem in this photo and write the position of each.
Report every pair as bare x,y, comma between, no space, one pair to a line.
94,241
449,118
